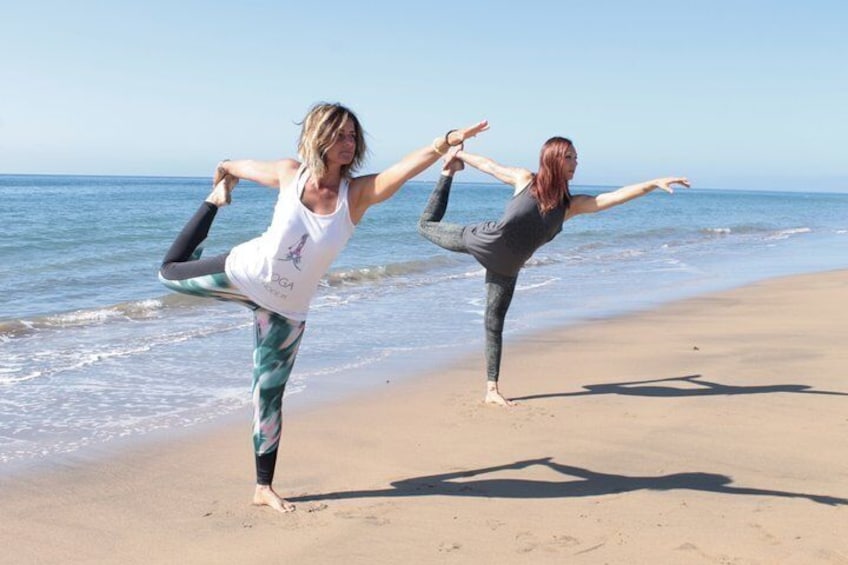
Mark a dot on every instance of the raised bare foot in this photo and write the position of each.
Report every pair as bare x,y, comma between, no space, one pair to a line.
452,164
221,193
493,396
265,496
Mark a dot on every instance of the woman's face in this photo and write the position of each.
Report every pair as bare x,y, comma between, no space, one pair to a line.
570,162
343,149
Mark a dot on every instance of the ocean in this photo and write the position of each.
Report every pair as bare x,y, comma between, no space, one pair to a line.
95,353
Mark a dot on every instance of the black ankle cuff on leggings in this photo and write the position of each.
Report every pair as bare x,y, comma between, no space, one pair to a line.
265,465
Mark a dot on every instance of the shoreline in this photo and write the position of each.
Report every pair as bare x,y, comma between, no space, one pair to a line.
320,394
365,381
710,428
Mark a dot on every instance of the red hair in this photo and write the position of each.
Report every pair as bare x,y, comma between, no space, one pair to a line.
551,184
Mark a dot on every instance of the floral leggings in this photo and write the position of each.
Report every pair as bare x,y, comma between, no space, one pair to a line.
276,338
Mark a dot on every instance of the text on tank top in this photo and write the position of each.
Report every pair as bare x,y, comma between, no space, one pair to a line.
281,269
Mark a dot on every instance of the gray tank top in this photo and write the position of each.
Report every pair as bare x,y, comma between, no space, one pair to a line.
504,246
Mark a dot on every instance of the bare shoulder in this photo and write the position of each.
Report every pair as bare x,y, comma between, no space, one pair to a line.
288,165
521,179
357,183
286,170
363,178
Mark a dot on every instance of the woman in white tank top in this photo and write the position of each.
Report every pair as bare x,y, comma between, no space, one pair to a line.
276,275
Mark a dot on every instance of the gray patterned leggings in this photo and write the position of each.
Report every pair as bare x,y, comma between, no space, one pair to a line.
499,288
276,338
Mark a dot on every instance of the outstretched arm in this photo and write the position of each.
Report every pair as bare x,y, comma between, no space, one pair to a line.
585,204
371,189
515,176
272,174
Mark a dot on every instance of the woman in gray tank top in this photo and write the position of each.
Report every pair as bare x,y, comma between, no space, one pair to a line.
533,217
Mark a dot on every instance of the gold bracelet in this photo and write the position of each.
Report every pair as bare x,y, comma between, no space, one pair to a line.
436,147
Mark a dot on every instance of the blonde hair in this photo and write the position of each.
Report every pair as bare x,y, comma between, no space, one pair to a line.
320,129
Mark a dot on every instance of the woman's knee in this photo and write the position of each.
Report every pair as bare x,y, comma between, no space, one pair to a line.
427,230
494,322
170,272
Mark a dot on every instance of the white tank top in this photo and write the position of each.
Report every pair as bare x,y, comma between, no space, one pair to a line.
280,270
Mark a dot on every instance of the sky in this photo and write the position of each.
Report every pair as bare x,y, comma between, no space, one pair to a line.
733,94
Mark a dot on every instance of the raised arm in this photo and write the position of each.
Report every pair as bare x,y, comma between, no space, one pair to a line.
515,176
585,204
272,174
368,190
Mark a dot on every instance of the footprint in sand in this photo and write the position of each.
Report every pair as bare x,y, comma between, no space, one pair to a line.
528,542
367,518
448,547
565,541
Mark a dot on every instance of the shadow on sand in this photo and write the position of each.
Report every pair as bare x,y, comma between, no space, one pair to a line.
577,482
702,388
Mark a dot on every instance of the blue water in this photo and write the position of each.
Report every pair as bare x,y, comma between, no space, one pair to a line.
93,349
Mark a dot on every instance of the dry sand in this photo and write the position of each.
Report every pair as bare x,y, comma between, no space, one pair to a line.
713,430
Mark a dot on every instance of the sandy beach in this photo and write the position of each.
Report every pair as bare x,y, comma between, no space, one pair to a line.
712,430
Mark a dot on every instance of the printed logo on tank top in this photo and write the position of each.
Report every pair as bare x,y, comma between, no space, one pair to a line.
295,254
279,286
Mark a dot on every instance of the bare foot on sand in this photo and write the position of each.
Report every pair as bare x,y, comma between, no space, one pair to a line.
265,496
221,193
493,396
